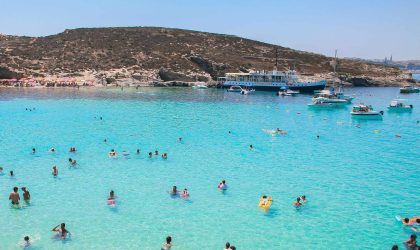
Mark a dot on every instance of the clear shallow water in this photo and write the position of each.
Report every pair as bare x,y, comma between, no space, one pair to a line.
356,179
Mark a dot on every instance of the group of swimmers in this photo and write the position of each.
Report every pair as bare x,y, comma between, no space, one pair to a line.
184,193
113,154
14,196
300,201
229,247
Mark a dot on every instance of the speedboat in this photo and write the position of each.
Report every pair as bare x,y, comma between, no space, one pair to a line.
399,106
409,89
235,89
200,85
365,111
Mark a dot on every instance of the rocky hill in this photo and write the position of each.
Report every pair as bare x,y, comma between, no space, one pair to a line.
152,54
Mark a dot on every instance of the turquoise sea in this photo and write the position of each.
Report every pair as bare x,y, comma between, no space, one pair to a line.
356,178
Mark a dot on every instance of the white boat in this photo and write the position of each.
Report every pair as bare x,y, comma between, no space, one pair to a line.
332,96
399,106
235,89
200,85
365,111
270,80
330,100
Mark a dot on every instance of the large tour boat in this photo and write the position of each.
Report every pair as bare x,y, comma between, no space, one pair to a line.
270,80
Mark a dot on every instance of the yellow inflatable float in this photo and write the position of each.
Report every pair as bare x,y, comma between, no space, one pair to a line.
265,202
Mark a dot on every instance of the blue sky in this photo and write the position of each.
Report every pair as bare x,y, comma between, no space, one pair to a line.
357,28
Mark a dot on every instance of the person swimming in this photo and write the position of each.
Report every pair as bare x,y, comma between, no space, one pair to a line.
11,174
33,150
61,229
412,242
72,150
303,198
179,139
52,150
167,244
222,185
164,156
297,202
411,221
26,195
26,241
264,200
227,246
112,153
156,152
138,151
150,154
251,147
14,196
280,131
111,195
72,162
174,191
1,171
185,193
54,171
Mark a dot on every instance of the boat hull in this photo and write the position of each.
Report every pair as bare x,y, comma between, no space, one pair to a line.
404,109
367,116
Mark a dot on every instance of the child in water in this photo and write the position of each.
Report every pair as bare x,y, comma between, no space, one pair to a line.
168,243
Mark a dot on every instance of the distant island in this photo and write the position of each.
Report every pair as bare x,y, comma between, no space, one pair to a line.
154,56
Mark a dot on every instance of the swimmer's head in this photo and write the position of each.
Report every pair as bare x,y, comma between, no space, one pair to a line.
26,238
11,172
15,189
223,181
413,236
298,199
227,245
112,192
303,197
406,220
63,225
168,240
23,189
264,197
232,248
418,220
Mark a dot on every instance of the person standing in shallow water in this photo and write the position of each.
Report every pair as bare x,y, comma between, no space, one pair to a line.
26,195
14,196
167,244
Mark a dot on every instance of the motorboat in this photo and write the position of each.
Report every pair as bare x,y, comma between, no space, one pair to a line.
398,105
330,100
235,89
409,89
365,111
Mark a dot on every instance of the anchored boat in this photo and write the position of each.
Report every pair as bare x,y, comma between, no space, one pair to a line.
270,80
365,111
399,106
409,89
